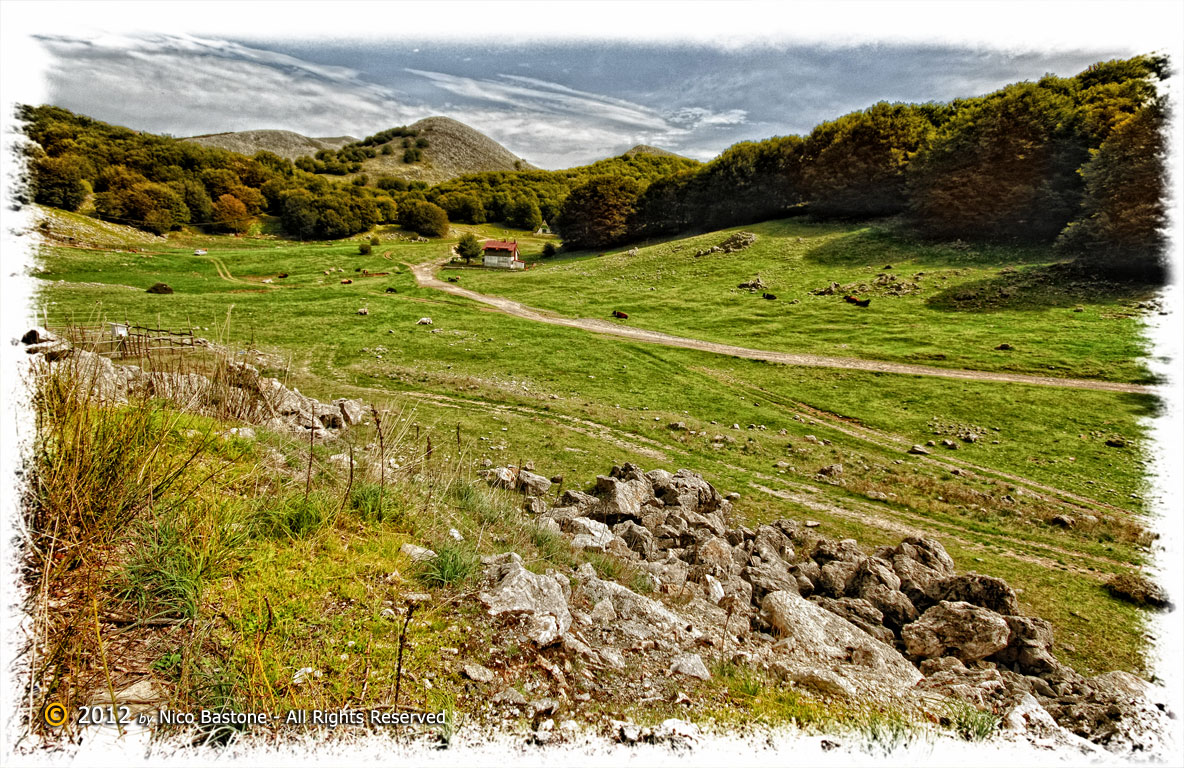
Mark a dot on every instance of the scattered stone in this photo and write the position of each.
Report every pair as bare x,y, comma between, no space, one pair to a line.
689,664
417,554
919,450
424,321
478,673
538,598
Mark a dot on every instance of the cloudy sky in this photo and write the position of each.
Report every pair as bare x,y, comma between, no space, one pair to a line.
555,104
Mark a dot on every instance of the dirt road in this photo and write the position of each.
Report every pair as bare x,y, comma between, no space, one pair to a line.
425,275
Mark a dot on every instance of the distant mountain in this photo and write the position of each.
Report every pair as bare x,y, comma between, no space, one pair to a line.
646,149
453,149
283,143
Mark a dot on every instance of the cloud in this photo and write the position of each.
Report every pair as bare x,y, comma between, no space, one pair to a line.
186,85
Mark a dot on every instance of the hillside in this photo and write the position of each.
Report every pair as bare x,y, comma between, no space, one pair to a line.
646,149
454,149
287,144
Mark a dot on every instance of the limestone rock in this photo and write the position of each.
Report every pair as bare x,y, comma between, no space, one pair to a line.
958,629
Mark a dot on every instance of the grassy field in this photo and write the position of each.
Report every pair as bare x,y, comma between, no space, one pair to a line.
574,403
936,304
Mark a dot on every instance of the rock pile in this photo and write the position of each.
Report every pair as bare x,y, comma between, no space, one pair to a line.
734,243
237,389
899,624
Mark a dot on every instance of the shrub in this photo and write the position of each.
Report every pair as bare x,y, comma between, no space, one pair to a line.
365,249
375,241
424,218
549,250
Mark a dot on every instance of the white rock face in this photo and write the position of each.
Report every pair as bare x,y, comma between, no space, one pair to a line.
539,598
813,638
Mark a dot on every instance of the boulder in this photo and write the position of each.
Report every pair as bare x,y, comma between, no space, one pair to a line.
828,550
960,629
834,578
871,572
531,484
630,606
897,609
638,538
38,335
822,681
1138,589
715,553
621,500
813,637
769,577
538,598
861,613
985,591
1029,651
590,534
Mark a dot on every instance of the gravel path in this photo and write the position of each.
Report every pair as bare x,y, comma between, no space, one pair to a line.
425,276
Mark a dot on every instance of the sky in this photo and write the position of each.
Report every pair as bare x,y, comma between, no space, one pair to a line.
555,104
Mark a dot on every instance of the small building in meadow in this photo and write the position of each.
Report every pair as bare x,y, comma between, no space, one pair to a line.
501,254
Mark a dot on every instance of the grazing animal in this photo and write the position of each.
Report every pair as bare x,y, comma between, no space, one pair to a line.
391,290
862,302
768,296
347,281
850,299
619,314
454,279
282,275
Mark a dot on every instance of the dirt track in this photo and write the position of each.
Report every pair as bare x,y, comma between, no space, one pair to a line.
425,275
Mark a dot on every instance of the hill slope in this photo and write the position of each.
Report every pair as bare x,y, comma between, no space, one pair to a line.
287,144
454,149
646,149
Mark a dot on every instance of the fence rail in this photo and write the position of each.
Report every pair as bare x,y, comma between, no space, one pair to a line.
125,340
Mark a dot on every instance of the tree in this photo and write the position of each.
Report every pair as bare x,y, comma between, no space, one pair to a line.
1004,167
424,218
57,182
855,166
469,247
596,214
1120,231
230,214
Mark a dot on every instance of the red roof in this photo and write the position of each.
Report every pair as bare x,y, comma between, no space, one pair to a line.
499,245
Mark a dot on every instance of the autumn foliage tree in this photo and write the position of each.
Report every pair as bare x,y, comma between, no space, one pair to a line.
596,214
230,214
1121,229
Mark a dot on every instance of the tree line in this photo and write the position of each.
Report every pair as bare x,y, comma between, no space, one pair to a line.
1076,162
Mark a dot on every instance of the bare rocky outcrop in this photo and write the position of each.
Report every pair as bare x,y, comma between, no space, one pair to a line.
236,390
899,624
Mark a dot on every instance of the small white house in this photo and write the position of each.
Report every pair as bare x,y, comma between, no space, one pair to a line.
500,254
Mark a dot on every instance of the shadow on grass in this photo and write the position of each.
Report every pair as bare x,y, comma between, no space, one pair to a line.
1053,286
888,242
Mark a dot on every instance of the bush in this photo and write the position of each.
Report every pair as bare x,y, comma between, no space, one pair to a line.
365,249
375,241
549,250
424,218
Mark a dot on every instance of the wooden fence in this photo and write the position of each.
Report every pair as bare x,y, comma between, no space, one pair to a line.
125,340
